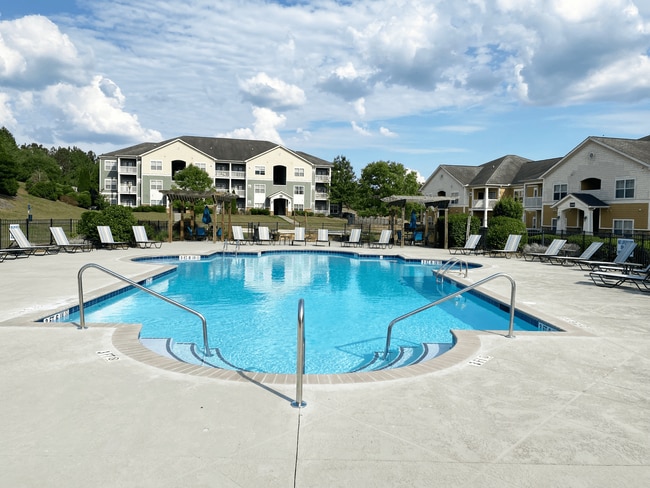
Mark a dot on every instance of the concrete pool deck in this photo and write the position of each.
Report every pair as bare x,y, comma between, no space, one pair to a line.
79,409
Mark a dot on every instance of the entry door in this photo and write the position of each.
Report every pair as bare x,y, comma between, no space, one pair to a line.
279,206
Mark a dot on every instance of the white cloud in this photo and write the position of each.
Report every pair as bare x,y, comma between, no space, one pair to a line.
265,127
6,116
386,132
263,91
360,106
359,130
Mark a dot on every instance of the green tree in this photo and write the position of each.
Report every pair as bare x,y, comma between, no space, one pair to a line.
344,186
383,179
508,207
8,164
193,178
35,158
118,218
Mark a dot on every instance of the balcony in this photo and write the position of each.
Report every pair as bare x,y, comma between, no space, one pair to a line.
321,195
128,169
480,204
322,178
130,190
533,202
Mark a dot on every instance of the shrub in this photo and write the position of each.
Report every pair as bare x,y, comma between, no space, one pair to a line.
118,218
457,228
508,207
499,228
260,211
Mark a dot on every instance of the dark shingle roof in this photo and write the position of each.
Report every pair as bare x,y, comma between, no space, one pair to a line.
533,170
464,174
501,171
590,200
216,147
638,149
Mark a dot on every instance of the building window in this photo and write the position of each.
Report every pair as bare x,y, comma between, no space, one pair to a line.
156,165
623,227
201,166
299,172
110,184
110,165
260,170
559,191
298,190
156,184
299,207
624,188
260,189
454,198
518,195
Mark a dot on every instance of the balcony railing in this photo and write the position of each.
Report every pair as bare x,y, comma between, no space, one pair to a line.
321,195
128,189
322,178
480,204
128,169
533,202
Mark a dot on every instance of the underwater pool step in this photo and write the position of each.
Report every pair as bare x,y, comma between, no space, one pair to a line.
406,356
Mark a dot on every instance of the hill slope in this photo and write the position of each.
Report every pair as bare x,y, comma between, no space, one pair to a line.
16,207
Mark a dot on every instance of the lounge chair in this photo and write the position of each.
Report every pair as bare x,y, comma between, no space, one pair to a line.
29,248
469,247
553,249
622,256
299,235
418,237
511,248
13,253
263,235
640,278
238,235
384,239
64,244
571,260
323,236
354,239
141,239
106,238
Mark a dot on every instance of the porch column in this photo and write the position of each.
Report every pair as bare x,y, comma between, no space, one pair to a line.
485,207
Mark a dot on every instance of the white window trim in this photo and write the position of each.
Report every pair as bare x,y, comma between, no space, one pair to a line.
298,187
624,229
157,163
625,188
260,170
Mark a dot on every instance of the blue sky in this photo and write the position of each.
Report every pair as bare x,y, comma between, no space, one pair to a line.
419,82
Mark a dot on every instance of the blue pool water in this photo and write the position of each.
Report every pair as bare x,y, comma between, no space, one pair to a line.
251,306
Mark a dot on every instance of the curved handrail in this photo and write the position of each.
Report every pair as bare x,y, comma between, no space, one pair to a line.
454,295
82,319
448,265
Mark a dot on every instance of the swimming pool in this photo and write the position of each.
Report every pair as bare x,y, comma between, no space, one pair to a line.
250,302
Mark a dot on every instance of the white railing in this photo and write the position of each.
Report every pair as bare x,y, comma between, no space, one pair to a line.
533,202
322,178
128,169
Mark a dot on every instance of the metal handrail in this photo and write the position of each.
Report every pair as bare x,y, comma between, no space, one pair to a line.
82,319
300,357
440,272
454,295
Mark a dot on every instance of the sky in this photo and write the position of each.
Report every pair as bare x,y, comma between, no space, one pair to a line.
417,82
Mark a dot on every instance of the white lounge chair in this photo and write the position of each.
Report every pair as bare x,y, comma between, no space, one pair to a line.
586,255
141,239
384,240
323,236
511,248
622,256
299,235
469,247
106,238
640,278
64,244
238,235
263,235
27,247
354,240
553,249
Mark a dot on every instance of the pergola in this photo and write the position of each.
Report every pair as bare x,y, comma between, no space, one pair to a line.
189,196
426,200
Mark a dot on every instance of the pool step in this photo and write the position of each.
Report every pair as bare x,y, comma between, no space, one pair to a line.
193,354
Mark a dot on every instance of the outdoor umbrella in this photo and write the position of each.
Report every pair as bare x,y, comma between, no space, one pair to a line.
206,215
414,220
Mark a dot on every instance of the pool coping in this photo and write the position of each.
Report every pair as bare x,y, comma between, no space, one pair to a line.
467,343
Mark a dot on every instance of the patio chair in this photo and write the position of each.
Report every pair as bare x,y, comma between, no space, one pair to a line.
511,248
141,239
263,235
238,235
29,248
323,236
106,238
640,278
621,257
13,253
65,245
469,247
299,235
197,233
571,260
354,239
384,240
418,238
553,249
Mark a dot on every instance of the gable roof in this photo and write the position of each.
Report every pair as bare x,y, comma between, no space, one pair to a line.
638,149
533,170
219,148
501,171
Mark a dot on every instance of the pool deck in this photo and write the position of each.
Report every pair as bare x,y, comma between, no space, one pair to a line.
82,408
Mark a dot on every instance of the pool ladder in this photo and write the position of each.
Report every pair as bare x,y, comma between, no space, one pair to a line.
82,318
513,288
448,265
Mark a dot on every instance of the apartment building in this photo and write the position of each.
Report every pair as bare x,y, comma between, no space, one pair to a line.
602,185
262,174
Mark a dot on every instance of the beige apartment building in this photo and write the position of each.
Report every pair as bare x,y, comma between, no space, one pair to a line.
262,174
602,185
